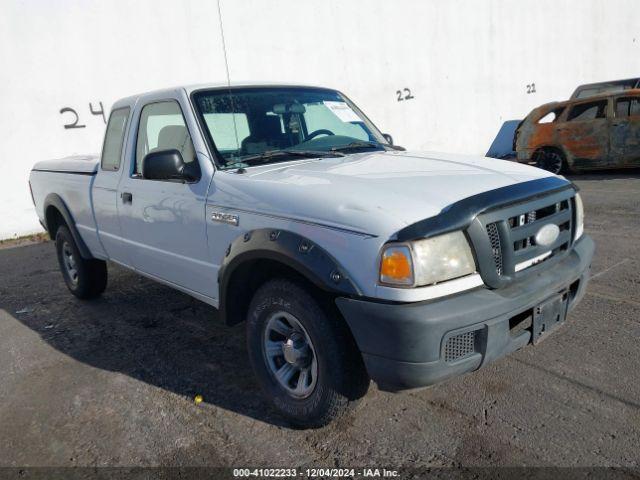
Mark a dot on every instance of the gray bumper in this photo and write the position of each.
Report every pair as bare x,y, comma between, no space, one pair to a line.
403,345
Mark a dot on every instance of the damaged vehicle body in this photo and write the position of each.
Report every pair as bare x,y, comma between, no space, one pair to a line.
600,132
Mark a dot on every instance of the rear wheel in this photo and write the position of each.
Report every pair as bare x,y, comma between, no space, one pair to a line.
84,278
551,160
305,359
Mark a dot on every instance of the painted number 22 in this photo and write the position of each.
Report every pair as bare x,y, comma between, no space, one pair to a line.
404,94
531,88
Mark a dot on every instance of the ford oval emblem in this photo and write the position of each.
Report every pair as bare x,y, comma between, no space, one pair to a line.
547,234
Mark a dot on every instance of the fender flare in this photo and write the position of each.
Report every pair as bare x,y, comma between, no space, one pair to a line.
288,248
54,200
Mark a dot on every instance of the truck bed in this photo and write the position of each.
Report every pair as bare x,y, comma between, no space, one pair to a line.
71,179
86,164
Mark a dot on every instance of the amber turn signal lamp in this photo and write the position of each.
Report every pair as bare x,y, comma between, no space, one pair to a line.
396,266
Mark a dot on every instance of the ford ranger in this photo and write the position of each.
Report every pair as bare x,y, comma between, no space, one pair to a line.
347,257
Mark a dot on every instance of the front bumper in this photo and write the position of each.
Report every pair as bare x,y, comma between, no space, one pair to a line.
403,345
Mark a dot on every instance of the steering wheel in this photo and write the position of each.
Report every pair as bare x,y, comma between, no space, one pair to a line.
322,131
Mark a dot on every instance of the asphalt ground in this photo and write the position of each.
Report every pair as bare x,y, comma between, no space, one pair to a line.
112,382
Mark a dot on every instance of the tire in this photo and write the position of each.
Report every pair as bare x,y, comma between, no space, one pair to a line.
320,344
551,160
84,278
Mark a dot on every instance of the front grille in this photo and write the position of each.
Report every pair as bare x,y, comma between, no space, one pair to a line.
533,216
520,220
460,346
496,249
511,233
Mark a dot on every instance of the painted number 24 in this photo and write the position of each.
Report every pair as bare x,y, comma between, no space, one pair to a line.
75,119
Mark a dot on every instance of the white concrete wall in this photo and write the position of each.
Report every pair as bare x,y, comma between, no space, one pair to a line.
467,64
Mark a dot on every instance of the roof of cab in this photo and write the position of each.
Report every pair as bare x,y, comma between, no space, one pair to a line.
244,84
130,100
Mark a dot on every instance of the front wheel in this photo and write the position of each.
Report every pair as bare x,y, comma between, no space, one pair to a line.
305,360
85,278
551,160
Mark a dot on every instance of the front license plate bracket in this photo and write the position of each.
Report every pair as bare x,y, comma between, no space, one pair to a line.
548,316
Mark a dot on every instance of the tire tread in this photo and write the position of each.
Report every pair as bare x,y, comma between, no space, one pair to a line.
92,273
334,396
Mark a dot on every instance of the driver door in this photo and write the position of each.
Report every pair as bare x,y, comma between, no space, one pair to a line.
163,220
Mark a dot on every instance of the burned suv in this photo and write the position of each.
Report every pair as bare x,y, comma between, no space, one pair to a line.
599,132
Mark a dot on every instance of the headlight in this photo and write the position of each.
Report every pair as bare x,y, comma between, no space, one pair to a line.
579,217
428,261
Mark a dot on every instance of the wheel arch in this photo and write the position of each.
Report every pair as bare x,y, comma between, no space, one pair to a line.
57,214
567,157
260,255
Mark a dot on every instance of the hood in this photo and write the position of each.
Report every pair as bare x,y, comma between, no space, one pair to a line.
377,193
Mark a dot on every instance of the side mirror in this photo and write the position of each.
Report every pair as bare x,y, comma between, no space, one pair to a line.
388,138
166,165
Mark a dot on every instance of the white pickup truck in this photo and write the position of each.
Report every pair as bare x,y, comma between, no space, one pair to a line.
348,258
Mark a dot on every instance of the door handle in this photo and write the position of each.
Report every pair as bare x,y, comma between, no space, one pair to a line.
126,197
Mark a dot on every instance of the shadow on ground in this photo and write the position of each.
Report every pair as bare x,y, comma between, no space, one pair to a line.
606,175
145,330
138,327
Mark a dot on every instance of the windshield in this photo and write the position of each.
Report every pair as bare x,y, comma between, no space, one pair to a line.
271,124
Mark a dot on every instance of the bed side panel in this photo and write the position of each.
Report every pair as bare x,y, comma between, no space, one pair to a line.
75,191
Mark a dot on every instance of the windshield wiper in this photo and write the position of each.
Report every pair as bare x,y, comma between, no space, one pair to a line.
353,145
265,157
356,145
394,147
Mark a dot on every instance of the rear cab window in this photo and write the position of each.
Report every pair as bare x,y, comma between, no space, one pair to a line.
230,128
114,139
336,116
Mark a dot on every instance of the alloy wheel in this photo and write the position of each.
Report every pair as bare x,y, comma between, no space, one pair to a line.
69,263
290,354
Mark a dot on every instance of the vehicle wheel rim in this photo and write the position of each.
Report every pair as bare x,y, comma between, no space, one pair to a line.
290,354
552,162
69,262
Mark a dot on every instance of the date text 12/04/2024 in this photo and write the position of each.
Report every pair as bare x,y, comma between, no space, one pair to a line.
315,472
